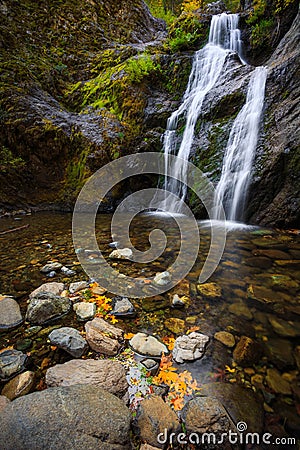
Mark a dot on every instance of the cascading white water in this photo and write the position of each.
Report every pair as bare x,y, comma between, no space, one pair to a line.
231,190
207,66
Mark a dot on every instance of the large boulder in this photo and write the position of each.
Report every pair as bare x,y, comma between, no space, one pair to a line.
107,374
46,307
74,417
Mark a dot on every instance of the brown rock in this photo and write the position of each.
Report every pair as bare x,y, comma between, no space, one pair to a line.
247,352
211,290
103,337
175,325
225,338
154,416
277,383
107,374
4,401
206,415
18,386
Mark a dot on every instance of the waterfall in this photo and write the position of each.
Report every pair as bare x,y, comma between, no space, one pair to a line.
231,190
207,66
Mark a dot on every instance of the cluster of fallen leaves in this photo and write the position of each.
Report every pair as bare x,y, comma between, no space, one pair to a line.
103,304
181,385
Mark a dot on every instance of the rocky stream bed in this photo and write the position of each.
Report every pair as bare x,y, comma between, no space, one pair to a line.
82,368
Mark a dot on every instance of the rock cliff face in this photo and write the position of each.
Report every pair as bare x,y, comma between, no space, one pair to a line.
275,193
84,83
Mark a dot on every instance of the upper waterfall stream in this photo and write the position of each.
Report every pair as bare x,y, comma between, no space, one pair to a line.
208,65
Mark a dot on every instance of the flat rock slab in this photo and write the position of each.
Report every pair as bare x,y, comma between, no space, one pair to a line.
75,417
107,374
78,286
10,314
54,288
70,340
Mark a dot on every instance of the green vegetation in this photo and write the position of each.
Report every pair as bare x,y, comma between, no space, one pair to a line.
9,161
110,88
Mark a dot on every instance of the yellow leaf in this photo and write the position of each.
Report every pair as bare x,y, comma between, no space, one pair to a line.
229,369
128,336
190,330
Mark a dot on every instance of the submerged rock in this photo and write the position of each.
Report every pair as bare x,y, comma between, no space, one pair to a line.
175,325
103,337
45,307
162,278
247,352
67,272
240,310
284,328
70,340
82,417
190,347
106,374
121,253
279,352
51,267
225,338
277,383
145,344
10,314
210,290
11,363
19,385
206,415
85,310
241,404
